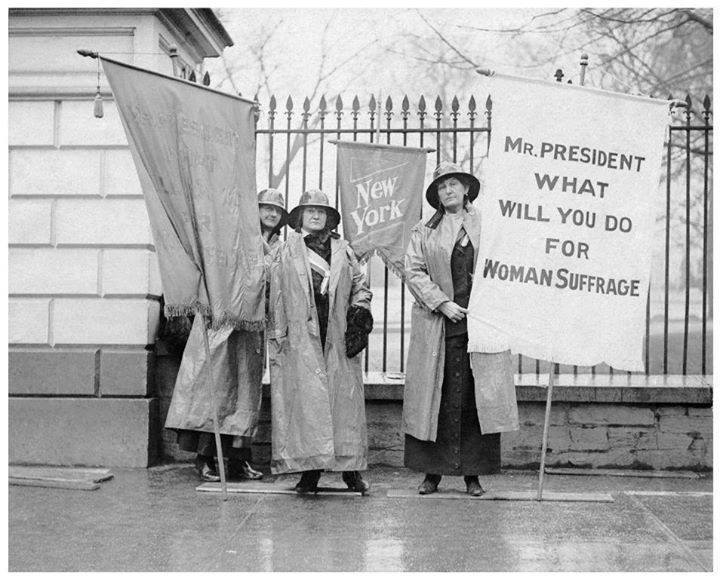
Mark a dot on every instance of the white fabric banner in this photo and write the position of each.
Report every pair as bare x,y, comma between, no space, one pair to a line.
567,211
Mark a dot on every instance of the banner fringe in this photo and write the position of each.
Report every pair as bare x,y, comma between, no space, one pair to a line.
216,322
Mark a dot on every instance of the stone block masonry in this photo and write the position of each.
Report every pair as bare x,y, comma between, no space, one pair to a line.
635,436
84,288
83,291
581,434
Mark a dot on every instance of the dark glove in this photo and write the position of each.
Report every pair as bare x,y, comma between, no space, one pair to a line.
359,326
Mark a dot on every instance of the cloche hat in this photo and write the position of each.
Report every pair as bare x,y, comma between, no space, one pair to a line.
447,169
275,198
315,198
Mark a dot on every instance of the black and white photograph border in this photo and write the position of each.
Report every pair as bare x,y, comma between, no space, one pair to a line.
327,434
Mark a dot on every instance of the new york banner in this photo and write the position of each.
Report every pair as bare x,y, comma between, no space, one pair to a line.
568,210
381,196
194,150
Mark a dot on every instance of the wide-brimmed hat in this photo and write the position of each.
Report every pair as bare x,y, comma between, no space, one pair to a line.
315,198
275,198
445,170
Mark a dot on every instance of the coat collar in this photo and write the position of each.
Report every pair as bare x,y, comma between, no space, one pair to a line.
471,223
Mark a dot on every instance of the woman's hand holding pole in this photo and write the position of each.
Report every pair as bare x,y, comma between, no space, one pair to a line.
452,311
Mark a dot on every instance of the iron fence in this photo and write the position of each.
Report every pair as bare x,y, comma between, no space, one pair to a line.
294,155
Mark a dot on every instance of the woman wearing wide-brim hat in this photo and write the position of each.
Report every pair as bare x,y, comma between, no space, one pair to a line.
319,318
273,215
440,419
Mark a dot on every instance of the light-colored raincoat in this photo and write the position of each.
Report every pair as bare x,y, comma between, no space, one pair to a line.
238,357
318,401
237,363
429,279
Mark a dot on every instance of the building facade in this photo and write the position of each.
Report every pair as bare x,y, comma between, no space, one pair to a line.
84,299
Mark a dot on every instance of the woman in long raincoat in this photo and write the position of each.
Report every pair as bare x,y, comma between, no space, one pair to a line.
440,417
238,358
319,320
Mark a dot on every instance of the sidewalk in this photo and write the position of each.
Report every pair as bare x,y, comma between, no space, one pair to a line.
154,520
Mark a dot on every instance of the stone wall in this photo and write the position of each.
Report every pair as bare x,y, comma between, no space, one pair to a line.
584,432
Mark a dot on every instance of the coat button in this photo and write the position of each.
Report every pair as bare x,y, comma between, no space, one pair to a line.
318,371
434,353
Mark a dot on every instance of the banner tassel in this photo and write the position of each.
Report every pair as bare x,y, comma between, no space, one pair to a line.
98,104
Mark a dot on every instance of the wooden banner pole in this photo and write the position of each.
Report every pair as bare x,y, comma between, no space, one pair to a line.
546,428
213,401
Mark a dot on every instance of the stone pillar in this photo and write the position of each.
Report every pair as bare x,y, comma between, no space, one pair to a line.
83,279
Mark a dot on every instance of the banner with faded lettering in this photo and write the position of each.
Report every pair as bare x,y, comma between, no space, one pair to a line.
569,202
194,150
381,196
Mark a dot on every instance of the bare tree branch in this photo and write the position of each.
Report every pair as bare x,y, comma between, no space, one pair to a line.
694,16
446,41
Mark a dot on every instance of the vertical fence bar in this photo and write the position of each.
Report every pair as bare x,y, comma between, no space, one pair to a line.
706,115
372,105
421,114
438,120
388,116
404,114
322,111
354,114
472,114
271,138
288,113
688,112
304,125
667,250
454,106
338,114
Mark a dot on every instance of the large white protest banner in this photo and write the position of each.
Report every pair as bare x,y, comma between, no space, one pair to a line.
568,206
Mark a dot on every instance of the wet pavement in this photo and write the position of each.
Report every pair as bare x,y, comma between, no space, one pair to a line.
154,520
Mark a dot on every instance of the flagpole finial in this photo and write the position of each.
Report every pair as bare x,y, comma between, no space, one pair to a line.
485,71
89,53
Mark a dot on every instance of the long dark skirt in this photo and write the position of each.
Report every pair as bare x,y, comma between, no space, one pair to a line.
459,448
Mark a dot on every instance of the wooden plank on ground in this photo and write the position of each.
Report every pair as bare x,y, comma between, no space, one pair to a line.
77,484
623,473
500,495
60,472
251,487
669,493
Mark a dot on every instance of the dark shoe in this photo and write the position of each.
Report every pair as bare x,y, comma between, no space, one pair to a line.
430,484
308,482
473,486
355,482
205,466
241,470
